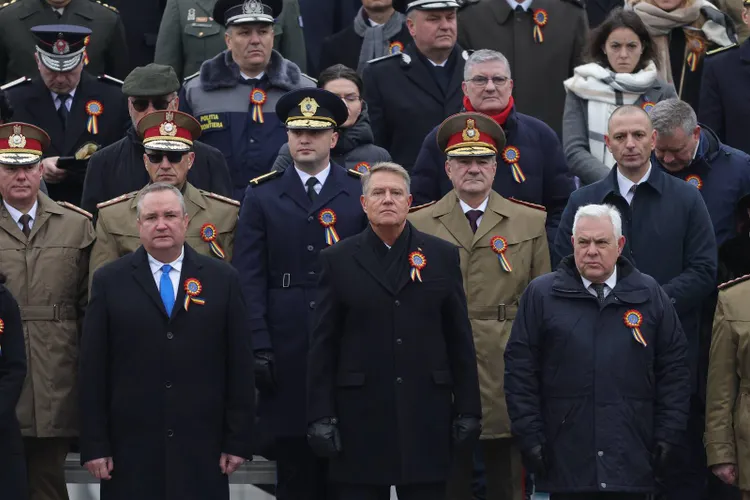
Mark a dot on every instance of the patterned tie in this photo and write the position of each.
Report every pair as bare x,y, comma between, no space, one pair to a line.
599,289
473,216
311,183
24,220
166,290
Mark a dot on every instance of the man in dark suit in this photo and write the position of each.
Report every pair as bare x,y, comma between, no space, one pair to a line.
392,373
285,220
79,112
167,403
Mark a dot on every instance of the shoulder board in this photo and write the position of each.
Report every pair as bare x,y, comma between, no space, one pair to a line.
110,79
577,3
107,6
221,198
721,49
23,79
464,3
118,199
8,3
354,173
528,204
314,80
733,282
265,177
420,207
188,78
75,208
383,58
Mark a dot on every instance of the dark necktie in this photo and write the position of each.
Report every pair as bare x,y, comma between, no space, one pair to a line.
473,216
24,220
311,183
62,111
519,9
599,289
58,14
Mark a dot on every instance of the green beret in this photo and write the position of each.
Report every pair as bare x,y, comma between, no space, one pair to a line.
150,81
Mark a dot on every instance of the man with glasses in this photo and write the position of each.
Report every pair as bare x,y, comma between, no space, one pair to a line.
531,165
79,112
118,169
168,138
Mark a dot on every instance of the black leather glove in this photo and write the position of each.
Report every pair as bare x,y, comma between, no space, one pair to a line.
535,461
265,380
324,438
661,456
466,430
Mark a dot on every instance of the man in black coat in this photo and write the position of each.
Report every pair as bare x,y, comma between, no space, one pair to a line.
119,168
409,94
80,113
596,375
167,400
392,375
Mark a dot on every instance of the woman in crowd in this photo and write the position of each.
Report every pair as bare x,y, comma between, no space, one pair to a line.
622,70
355,148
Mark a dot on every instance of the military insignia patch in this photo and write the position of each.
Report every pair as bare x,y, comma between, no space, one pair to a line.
17,140
470,133
308,107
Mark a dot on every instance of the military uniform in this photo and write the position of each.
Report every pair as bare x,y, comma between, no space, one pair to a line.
117,230
189,35
107,49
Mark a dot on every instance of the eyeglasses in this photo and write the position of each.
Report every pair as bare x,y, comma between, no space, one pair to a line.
172,156
481,81
141,104
350,98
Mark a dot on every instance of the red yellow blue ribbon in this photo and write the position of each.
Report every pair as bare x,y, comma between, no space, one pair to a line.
540,21
193,288
696,47
511,155
85,51
648,106
94,109
208,234
694,180
258,98
418,261
633,320
362,167
2,329
395,47
327,219
499,245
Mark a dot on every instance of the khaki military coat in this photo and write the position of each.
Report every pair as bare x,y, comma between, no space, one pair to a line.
491,292
48,275
117,228
727,436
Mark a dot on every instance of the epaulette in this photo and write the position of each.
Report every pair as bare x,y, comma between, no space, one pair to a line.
314,80
383,58
188,78
19,81
8,3
221,198
528,204
420,207
75,209
721,49
265,177
105,5
118,199
465,3
577,3
111,79
354,173
733,282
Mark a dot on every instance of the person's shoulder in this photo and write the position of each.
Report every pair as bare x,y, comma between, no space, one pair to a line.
387,62
262,181
683,190
202,148
733,298
74,212
17,86
531,212
112,271
115,204
536,125
11,7
214,266
221,202
104,9
723,54
435,243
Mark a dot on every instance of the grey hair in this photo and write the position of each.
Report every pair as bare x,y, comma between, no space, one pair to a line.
669,114
482,56
158,187
386,166
599,212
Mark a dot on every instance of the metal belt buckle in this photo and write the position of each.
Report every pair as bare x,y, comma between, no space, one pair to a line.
286,280
501,312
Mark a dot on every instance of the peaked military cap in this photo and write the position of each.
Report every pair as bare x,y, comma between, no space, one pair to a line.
61,47
231,12
470,134
311,108
21,144
432,5
169,131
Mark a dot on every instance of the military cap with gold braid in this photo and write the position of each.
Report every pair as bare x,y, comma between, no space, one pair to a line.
470,134
232,12
21,144
311,108
169,131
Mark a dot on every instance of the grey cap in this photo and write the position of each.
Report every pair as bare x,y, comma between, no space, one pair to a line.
150,81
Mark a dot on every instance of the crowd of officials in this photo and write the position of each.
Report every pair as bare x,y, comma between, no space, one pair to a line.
489,246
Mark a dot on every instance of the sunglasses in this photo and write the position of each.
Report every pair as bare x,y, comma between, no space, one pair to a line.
172,156
159,103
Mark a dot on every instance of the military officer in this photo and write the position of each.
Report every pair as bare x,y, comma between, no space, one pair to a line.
80,112
107,49
235,95
286,219
168,140
45,249
189,35
503,246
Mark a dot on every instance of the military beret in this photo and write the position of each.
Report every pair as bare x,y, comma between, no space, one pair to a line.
150,81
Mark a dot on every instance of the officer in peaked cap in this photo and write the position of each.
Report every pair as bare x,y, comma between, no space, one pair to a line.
315,203
61,47
21,144
431,5
469,135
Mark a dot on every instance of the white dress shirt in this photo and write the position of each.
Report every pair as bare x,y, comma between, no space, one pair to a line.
16,214
321,176
58,102
482,207
525,5
626,185
609,285
245,77
174,273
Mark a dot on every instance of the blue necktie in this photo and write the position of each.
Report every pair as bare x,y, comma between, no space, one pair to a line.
166,290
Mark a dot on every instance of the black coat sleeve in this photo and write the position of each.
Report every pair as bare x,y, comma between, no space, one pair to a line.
557,183
12,356
117,55
93,183
711,110
427,172
374,100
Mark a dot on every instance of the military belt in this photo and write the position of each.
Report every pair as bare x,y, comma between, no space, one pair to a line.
48,313
288,280
499,312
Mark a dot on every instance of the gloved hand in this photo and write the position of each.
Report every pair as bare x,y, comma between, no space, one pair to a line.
324,438
535,461
466,430
265,380
661,457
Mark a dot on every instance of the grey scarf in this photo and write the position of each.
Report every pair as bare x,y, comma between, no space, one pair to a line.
376,39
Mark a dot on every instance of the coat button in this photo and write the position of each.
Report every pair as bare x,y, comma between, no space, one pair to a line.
310,248
603,485
170,433
399,380
600,453
311,273
168,385
310,219
397,303
170,335
399,341
312,304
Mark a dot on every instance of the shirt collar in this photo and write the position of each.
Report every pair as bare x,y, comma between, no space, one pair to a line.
55,95
156,265
525,5
16,214
610,282
625,184
321,176
482,207
245,77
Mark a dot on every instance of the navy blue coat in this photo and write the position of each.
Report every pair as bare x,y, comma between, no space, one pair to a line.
542,161
578,383
276,253
668,235
724,106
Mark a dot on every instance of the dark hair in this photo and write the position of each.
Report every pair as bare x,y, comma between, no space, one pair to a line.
6,110
338,71
620,18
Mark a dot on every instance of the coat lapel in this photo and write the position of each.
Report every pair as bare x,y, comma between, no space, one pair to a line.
332,188
415,245
369,261
9,225
142,274
450,214
46,209
490,219
417,71
43,110
76,127
294,189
